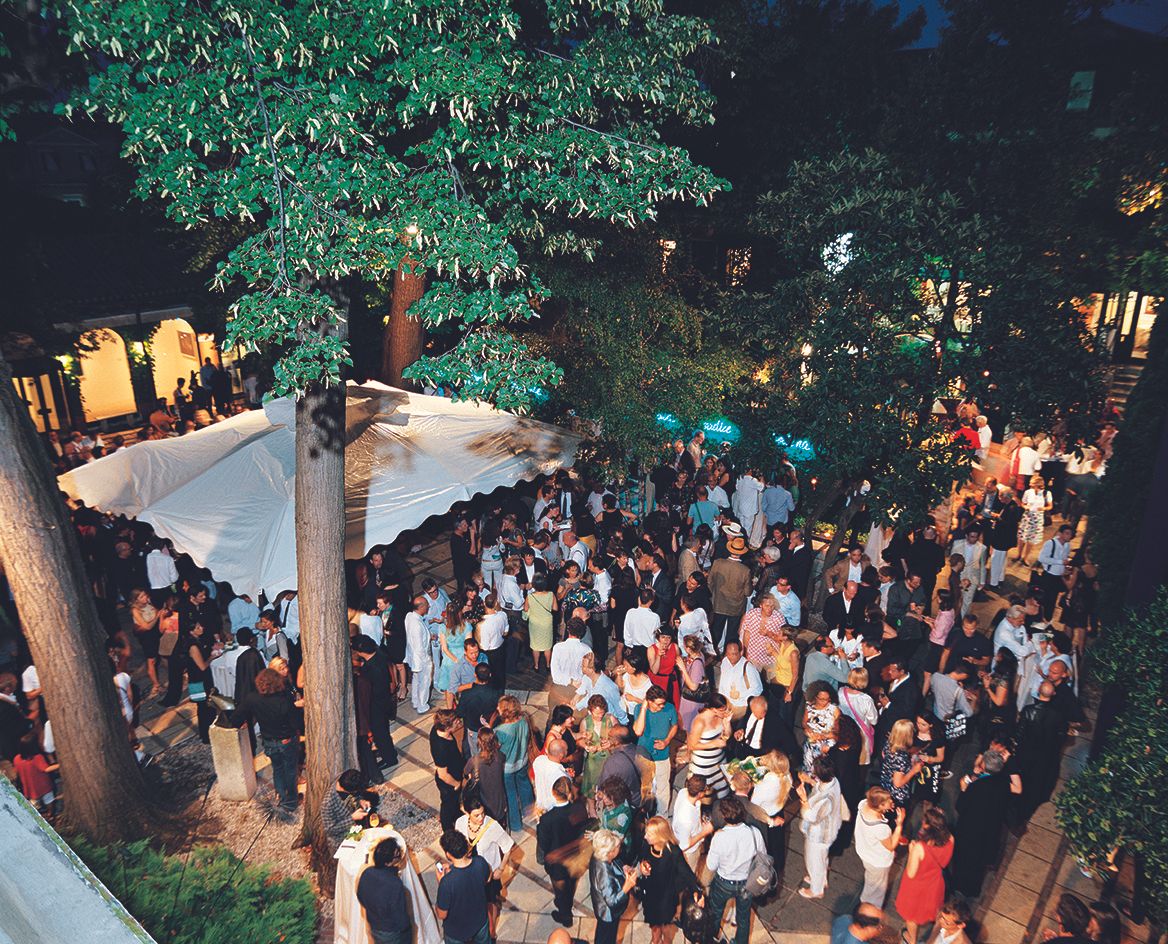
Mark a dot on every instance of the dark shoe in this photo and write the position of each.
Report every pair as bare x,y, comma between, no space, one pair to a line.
560,919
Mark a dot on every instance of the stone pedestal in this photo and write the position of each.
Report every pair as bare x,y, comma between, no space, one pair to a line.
234,765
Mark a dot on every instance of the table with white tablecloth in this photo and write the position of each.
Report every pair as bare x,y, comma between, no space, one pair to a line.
223,670
350,925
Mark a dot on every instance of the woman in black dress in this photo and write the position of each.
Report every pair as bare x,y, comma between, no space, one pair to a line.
999,712
664,877
845,754
198,665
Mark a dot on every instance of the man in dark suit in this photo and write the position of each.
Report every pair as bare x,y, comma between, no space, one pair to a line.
797,563
376,701
906,606
902,698
662,585
532,565
762,730
843,609
14,723
558,836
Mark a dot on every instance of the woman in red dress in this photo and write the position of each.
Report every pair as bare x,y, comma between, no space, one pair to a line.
663,658
922,890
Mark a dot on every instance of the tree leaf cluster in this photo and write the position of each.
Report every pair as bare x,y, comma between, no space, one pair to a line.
361,136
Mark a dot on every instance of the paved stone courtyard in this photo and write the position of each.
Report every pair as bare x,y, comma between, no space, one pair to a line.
1017,903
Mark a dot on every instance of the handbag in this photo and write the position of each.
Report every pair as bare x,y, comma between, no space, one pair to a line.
197,691
167,644
955,726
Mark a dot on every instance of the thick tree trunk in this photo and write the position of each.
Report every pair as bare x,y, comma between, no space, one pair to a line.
329,717
104,793
404,336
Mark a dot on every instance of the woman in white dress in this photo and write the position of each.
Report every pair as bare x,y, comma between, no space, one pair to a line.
770,795
1036,501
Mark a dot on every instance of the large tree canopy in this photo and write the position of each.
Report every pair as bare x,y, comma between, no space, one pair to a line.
361,134
888,297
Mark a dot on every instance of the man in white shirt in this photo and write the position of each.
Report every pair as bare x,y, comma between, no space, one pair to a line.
985,436
418,656
30,684
738,680
548,768
596,499
492,634
575,550
731,850
567,664
289,611
161,573
1011,633
242,613
641,624
1053,561
436,602
687,820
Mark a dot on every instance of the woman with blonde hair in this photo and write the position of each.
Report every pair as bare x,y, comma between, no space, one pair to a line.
857,704
771,794
664,876
898,767
1036,501
513,731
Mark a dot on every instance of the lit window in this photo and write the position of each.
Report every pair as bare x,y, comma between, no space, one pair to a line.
737,266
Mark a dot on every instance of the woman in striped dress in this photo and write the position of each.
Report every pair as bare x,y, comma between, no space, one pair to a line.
708,736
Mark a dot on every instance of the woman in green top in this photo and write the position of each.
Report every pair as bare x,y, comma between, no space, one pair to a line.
594,732
613,809
539,610
514,733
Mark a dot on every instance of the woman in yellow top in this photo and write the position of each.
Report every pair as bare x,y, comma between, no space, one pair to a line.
784,673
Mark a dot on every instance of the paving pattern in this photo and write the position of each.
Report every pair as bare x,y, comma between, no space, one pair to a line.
1016,905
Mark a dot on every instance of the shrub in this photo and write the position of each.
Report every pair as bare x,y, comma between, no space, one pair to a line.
216,899
1118,801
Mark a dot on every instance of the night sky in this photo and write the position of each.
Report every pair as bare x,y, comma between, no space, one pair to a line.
1151,16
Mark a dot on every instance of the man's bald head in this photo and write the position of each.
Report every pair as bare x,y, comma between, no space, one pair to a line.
559,936
558,750
1045,691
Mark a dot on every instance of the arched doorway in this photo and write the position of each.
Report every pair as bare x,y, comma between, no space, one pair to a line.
106,387
174,349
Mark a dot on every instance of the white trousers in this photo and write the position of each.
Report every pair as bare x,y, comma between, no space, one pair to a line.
997,567
420,681
875,886
815,856
661,785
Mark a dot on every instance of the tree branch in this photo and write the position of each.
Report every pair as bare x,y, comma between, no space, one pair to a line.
657,149
277,174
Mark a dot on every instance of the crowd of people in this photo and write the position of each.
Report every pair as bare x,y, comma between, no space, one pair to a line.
706,695
205,398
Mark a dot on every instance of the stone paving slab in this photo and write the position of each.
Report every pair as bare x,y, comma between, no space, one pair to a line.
1016,906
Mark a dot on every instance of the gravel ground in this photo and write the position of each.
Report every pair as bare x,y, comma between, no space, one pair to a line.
254,831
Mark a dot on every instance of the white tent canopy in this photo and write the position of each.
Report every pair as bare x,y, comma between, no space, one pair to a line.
225,494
